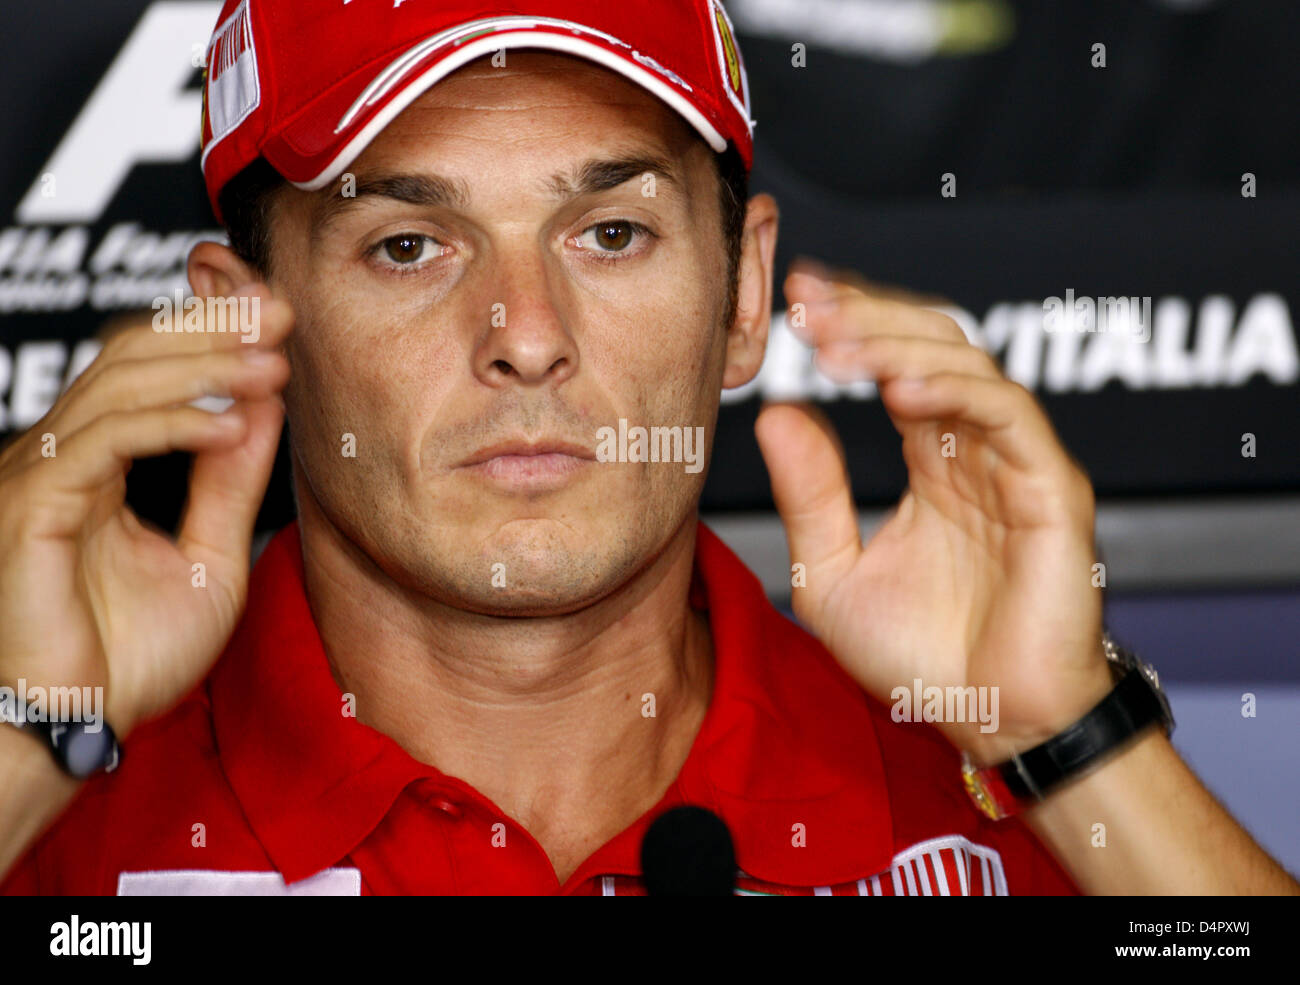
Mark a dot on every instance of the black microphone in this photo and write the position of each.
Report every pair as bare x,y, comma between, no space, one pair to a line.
688,852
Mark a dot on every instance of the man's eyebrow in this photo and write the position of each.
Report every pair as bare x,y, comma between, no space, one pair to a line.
602,174
429,190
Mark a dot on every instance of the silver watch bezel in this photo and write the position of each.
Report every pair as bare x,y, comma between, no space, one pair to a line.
1124,659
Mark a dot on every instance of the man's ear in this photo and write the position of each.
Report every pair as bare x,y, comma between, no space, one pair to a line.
216,271
747,335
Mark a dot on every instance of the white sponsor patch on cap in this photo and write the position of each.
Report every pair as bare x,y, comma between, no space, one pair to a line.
233,87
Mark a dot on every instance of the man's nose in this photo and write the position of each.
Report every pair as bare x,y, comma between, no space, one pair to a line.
523,336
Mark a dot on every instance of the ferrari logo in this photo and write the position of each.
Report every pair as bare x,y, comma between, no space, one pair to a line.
728,49
203,118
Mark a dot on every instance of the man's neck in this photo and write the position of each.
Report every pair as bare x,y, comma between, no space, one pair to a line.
573,725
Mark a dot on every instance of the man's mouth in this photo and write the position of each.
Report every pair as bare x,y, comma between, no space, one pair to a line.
532,465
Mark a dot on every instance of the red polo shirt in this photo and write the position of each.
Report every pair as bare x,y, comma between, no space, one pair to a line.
257,783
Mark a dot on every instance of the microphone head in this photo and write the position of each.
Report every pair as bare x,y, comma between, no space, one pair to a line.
688,852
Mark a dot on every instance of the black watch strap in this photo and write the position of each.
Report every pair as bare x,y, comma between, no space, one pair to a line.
1133,705
1130,707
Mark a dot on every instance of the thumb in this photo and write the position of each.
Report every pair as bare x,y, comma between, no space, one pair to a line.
811,488
226,490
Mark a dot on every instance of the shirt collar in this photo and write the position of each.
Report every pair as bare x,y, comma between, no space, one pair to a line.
312,781
787,740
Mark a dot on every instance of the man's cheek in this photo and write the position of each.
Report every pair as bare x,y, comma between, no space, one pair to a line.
336,428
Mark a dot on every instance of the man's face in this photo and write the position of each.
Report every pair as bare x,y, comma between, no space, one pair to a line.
502,278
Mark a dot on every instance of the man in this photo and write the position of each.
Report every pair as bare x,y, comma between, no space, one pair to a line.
487,656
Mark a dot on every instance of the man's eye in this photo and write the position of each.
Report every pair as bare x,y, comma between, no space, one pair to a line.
611,236
407,249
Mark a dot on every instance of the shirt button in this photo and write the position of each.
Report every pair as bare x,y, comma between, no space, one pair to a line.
452,810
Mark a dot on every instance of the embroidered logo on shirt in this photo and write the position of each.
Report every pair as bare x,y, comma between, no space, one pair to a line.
950,865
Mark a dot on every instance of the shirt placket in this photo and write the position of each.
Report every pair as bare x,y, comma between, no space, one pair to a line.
442,838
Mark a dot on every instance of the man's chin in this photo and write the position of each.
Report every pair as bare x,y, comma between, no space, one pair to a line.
515,589
536,567
526,605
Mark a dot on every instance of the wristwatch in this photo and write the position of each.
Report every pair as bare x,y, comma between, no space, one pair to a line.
79,751
1135,703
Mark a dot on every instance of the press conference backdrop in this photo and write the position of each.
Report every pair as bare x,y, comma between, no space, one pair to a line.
1135,165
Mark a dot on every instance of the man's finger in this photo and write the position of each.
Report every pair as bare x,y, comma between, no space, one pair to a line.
139,384
1011,420
886,357
811,488
226,489
839,312
269,329
88,460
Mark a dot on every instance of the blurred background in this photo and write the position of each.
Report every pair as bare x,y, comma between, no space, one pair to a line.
1004,160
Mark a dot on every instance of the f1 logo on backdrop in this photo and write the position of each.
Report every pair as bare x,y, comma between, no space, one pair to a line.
141,111
56,259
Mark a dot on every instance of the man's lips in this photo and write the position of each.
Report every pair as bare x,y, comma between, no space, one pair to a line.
528,449
534,464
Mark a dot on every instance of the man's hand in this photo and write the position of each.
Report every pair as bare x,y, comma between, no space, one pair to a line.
983,575
88,595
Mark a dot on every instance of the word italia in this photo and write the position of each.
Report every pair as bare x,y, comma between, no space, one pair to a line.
77,939
1212,342
946,704
656,444
238,316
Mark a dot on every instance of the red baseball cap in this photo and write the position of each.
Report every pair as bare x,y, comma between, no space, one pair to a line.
307,84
